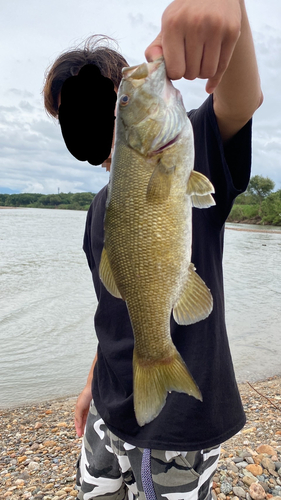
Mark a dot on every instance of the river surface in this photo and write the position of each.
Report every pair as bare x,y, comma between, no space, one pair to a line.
47,304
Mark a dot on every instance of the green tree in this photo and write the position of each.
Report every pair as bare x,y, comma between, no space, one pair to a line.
271,209
3,198
260,187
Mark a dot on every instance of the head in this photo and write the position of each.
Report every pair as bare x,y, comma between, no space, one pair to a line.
95,50
150,108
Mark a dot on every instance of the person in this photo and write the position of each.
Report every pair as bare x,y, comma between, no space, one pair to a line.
175,455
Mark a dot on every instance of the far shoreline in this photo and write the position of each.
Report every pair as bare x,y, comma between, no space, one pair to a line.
72,397
258,228
249,222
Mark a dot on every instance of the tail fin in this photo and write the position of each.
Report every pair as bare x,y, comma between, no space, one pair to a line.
152,382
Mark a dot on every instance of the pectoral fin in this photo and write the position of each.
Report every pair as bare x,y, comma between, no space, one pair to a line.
195,302
199,188
106,275
159,185
205,201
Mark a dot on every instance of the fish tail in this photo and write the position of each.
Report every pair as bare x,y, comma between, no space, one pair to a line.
153,381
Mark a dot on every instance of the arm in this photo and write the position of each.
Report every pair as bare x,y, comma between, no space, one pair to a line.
238,94
83,403
212,40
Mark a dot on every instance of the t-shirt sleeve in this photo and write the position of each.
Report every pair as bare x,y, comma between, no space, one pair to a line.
227,165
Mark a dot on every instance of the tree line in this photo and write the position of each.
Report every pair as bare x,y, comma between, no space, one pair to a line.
259,204
65,201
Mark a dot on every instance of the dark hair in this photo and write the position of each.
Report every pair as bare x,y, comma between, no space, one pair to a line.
95,50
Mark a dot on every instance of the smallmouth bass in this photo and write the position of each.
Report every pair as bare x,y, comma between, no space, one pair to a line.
146,259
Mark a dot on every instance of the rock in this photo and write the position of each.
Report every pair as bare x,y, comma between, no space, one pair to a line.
33,466
62,424
257,492
264,485
258,458
255,469
268,464
226,487
49,443
265,448
19,482
239,492
233,467
242,465
34,446
249,480
248,431
250,460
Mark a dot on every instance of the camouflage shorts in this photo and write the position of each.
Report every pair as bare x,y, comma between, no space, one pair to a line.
109,468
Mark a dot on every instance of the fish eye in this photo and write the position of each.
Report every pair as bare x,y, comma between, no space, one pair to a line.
124,100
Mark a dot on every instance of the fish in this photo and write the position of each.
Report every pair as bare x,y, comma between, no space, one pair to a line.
146,257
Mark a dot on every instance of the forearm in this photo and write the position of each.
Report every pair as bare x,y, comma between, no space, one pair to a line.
239,94
83,402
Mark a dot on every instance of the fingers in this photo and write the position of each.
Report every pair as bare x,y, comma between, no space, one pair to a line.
78,428
154,50
197,39
227,49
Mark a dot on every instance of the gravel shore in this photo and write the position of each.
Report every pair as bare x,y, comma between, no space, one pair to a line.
39,449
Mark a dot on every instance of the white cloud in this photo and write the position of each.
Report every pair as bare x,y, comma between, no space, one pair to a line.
32,154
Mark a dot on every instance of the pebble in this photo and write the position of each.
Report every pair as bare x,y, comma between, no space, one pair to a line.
265,448
38,462
257,492
239,492
226,487
268,464
252,465
40,448
256,470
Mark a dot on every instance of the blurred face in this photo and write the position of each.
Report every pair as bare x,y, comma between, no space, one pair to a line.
107,163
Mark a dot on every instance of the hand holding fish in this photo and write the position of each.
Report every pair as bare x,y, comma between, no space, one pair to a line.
197,39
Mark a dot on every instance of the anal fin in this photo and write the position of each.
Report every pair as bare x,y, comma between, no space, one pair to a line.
195,302
106,275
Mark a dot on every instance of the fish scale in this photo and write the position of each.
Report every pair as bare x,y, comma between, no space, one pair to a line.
148,231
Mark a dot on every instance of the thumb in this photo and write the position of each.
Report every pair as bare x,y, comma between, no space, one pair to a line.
154,50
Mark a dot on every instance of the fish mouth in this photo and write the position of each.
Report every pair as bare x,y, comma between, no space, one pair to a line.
167,145
141,71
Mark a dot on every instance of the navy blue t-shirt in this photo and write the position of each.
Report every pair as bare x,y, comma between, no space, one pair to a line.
184,424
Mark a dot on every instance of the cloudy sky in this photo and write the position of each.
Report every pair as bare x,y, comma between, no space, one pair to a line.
33,33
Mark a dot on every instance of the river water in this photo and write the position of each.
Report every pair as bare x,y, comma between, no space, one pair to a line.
47,304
